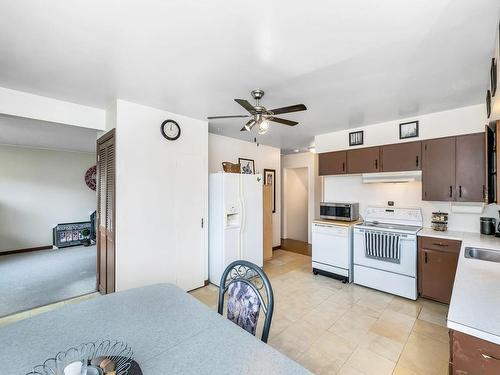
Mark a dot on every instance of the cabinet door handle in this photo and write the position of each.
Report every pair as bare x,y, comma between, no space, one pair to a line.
451,191
425,257
343,166
440,244
486,356
376,164
460,191
416,161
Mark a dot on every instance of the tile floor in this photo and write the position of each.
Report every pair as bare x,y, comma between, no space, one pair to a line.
334,328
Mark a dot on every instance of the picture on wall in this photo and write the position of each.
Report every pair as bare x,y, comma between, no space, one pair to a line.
408,130
493,77
270,179
247,166
356,138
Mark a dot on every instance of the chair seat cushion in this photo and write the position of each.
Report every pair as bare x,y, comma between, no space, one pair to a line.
243,306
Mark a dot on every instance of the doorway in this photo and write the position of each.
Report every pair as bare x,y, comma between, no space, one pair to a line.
296,210
47,201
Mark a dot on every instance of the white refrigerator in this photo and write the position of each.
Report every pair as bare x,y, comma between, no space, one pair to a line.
235,221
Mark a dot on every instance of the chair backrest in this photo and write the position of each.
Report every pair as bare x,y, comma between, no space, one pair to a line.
249,291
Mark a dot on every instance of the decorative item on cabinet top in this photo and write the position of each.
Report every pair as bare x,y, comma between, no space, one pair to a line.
247,165
229,167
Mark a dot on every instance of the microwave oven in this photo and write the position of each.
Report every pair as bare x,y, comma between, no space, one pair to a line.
339,211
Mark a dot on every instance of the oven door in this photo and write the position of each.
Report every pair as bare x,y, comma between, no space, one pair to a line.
336,212
393,252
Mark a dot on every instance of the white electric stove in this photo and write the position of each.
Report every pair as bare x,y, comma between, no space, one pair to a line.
385,250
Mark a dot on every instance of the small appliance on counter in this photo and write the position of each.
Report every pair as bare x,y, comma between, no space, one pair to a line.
487,225
343,211
439,221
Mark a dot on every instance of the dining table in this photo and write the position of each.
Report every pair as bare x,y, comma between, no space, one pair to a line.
169,331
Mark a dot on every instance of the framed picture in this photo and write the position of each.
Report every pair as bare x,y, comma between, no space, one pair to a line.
247,166
356,138
408,130
493,77
488,103
269,179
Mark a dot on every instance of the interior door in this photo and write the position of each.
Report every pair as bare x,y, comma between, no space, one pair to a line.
438,169
402,157
105,220
190,177
363,160
470,168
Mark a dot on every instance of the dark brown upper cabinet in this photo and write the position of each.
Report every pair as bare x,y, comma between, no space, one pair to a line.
401,157
438,169
330,163
363,160
470,168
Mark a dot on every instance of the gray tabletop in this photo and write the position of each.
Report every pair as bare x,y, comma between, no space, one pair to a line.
169,331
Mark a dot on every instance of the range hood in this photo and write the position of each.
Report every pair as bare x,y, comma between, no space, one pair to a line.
391,177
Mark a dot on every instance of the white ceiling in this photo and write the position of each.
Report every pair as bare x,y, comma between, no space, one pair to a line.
351,62
18,131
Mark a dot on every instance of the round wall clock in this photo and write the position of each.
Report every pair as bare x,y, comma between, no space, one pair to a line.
90,177
170,130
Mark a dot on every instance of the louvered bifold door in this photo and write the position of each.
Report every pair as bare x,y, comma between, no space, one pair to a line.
106,213
110,218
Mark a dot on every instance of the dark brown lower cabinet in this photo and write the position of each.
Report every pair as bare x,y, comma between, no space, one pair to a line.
473,356
437,264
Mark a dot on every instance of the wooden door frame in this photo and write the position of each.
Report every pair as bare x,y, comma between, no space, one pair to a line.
101,140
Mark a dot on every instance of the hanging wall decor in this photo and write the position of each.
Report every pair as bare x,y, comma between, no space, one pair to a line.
356,138
270,179
408,130
90,177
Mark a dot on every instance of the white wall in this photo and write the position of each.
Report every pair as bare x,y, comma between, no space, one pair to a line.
463,120
296,202
39,189
350,188
222,148
161,197
309,161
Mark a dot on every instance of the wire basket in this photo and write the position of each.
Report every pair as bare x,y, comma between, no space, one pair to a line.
117,351
231,167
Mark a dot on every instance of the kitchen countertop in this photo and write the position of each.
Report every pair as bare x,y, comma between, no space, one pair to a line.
337,222
475,302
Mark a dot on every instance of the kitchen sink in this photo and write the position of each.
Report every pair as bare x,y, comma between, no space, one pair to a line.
482,254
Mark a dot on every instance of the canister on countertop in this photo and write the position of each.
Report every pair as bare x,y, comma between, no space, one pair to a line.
487,225
439,221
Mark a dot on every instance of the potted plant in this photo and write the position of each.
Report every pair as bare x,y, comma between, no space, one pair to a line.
86,234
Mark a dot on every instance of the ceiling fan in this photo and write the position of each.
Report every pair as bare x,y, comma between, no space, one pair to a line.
261,116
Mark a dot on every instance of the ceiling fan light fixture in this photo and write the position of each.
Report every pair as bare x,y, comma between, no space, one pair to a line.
250,124
263,126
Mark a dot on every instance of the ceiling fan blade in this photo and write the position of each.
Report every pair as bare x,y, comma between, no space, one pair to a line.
283,121
243,129
235,116
245,104
290,108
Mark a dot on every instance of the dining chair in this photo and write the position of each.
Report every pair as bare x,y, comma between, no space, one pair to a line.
249,291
